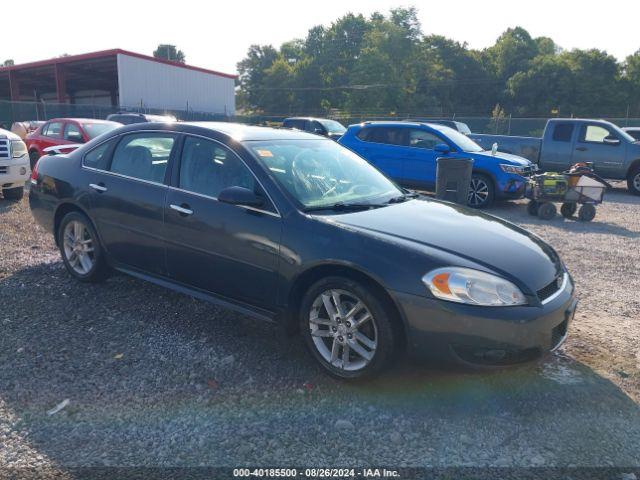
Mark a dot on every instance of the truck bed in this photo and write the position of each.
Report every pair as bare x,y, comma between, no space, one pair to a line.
527,147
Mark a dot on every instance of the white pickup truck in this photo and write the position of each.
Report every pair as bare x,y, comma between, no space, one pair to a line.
14,165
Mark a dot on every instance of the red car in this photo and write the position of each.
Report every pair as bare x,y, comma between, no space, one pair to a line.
65,131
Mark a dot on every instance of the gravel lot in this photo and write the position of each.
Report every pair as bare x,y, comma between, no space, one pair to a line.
156,378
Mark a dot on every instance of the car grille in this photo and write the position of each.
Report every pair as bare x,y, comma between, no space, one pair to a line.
4,170
548,290
4,149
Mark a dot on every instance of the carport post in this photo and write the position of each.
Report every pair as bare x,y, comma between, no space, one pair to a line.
14,86
61,83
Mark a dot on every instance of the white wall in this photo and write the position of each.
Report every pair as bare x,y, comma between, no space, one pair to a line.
158,85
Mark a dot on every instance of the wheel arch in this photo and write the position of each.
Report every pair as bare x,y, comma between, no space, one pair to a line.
635,164
311,275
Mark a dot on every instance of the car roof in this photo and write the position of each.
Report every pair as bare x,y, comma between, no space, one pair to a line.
242,132
83,120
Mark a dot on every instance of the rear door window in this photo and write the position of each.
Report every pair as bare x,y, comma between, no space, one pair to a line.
563,132
385,135
54,129
144,156
99,157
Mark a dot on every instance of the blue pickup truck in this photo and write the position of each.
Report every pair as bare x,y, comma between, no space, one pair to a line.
615,154
407,152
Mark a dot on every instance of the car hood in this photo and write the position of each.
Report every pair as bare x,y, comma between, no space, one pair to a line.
8,135
507,158
484,240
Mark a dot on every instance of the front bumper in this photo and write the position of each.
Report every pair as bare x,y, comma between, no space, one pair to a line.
14,173
485,335
511,186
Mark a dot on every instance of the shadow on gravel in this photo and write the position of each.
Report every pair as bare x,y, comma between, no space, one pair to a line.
159,379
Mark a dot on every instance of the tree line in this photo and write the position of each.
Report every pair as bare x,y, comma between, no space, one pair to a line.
385,65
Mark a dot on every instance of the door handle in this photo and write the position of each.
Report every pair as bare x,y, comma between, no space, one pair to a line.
98,187
582,149
183,209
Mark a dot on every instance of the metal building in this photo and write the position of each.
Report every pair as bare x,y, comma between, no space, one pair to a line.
119,78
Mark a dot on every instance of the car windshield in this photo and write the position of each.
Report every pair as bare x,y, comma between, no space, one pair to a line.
321,173
96,129
461,140
332,126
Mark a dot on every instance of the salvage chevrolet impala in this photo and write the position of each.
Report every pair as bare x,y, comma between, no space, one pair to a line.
295,229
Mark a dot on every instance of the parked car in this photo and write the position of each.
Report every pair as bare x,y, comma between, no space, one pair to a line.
321,126
295,229
128,118
458,126
615,154
63,131
22,129
408,151
14,165
633,131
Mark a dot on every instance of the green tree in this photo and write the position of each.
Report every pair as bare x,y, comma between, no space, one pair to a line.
8,63
169,52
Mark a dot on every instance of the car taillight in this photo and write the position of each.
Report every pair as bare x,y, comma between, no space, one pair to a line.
34,174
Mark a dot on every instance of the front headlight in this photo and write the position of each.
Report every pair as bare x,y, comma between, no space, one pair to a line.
18,148
518,170
473,287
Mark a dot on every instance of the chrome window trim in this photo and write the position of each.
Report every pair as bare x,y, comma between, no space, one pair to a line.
170,187
560,291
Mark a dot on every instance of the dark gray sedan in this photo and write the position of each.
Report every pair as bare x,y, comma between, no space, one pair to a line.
297,230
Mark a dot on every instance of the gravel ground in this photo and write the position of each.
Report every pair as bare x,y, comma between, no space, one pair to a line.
154,378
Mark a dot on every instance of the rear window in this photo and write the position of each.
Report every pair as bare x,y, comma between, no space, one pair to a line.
563,132
386,135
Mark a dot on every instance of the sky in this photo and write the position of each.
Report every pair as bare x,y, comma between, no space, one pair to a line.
217,34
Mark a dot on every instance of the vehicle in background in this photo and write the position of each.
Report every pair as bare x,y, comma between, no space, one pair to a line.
64,131
458,126
633,131
22,129
297,230
320,126
408,152
14,165
614,153
129,118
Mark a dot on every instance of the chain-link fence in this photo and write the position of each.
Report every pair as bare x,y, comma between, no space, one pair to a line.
22,111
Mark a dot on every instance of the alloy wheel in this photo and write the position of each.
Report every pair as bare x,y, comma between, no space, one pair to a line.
343,330
478,192
78,247
636,182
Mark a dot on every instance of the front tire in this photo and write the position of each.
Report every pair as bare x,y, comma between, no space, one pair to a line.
13,193
346,328
481,191
80,248
633,181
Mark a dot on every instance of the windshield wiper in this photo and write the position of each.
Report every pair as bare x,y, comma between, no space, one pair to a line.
404,197
341,207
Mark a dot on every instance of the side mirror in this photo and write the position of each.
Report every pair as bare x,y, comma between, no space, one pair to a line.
442,148
240,196
611,140
319,131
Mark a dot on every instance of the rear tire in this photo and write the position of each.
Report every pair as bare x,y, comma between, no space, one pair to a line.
362,326
34,156
13,193
80,248
633,180
546,211
481,191
587,212
568,209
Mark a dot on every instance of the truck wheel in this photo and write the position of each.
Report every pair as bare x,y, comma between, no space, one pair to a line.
546,211
633,181
34,156
532,208
568,209
481,191
13,193
587,212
